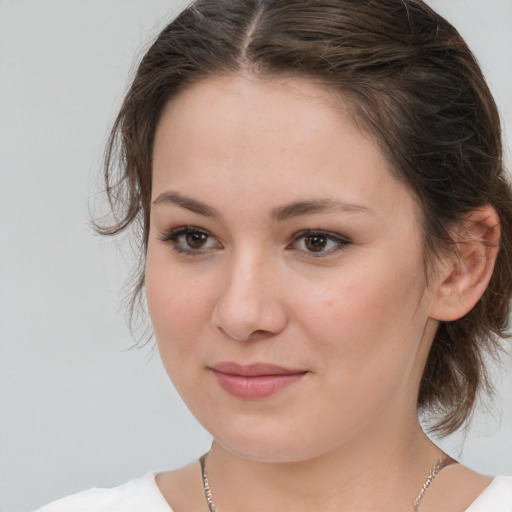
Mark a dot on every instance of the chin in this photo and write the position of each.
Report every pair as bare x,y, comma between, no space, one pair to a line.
265,444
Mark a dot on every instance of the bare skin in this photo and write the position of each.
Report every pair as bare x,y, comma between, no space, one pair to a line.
248,176
183,491
454,489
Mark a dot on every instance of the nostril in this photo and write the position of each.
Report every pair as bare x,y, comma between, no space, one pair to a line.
240,322
255,335
250,303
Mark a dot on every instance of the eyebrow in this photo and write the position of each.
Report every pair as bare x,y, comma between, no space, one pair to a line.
299,208
188,203
279,214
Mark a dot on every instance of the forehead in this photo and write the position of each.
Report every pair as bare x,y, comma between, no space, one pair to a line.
270,136
249,105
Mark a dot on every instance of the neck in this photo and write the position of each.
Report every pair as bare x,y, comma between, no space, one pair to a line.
380,475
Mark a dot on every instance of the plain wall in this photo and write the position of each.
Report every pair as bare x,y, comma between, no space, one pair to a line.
77,408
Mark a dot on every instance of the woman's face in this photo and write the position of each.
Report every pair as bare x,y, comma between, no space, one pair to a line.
284,270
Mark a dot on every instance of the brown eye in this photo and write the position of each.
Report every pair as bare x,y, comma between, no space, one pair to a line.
315,243
319,243
191,240
196,239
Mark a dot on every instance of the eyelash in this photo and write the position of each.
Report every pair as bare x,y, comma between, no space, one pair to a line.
341,242
173,237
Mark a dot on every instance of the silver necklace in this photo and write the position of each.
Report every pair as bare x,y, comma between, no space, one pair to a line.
415,506
206,485
430,478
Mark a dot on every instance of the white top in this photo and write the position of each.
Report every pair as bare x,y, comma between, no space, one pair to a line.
143,495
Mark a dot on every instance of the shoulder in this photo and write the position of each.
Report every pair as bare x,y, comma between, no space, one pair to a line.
183,488
133,496
497,497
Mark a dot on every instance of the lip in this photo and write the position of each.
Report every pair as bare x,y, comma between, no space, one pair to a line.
255,381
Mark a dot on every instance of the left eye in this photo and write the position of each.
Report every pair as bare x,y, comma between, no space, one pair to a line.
195,239
190,240
319,243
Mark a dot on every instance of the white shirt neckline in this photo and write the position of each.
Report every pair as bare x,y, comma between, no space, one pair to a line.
482,503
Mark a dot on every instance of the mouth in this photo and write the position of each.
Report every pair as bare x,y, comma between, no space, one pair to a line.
255,381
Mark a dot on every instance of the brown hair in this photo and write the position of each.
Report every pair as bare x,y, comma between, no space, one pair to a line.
410,80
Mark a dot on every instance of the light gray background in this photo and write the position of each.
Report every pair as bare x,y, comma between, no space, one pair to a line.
76,408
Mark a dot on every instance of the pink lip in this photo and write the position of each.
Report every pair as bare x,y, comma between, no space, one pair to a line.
256,380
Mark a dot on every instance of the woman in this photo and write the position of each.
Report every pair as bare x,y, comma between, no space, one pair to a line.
327,230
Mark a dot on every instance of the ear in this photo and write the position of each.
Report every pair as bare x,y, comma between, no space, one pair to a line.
464,275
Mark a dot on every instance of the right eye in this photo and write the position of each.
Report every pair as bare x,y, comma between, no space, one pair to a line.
190,240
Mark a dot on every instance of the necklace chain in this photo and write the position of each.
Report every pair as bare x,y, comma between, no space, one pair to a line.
430,478
415,506
206,485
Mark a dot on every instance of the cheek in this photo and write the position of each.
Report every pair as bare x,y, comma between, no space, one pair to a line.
365,314
177,304
176,310
368,350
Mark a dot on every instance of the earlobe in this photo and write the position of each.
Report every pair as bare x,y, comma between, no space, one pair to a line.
466,273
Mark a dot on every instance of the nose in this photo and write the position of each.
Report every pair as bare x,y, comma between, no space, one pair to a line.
250,304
